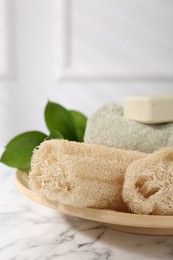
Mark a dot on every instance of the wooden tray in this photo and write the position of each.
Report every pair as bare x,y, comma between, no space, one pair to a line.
127,222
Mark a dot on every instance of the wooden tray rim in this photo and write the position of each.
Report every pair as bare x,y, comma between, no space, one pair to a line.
99,215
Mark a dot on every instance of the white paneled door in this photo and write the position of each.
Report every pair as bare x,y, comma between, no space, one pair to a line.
80,53
117,38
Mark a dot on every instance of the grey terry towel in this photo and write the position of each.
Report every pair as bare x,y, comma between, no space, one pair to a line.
107,126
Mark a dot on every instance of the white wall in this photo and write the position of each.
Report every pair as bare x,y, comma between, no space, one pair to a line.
80,53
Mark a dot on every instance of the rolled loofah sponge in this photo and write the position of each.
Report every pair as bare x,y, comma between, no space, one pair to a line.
81,175
107,126
148,185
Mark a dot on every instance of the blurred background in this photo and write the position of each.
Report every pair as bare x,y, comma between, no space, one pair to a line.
81,54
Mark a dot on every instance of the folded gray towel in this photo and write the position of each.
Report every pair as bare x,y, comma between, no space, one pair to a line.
107,126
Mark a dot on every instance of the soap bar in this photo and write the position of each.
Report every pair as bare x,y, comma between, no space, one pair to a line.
149,109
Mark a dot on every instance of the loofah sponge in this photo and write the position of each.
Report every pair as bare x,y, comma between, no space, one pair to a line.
81,175
107,126
148,185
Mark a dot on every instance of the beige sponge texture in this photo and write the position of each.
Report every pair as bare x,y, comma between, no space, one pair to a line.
148,184
107,126
81,175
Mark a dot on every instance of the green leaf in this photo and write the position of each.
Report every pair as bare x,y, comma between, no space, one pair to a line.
55,134
59,118
19,150
79,120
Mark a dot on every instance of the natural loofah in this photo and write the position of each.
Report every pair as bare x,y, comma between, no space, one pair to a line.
148,185
107,126
81,175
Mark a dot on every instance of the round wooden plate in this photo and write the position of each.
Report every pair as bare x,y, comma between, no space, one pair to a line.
127,222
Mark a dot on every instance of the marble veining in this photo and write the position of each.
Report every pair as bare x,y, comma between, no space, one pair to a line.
29,231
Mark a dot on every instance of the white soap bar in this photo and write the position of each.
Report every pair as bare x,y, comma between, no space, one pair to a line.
149,110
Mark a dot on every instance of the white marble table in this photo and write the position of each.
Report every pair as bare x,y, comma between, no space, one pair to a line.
29,231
